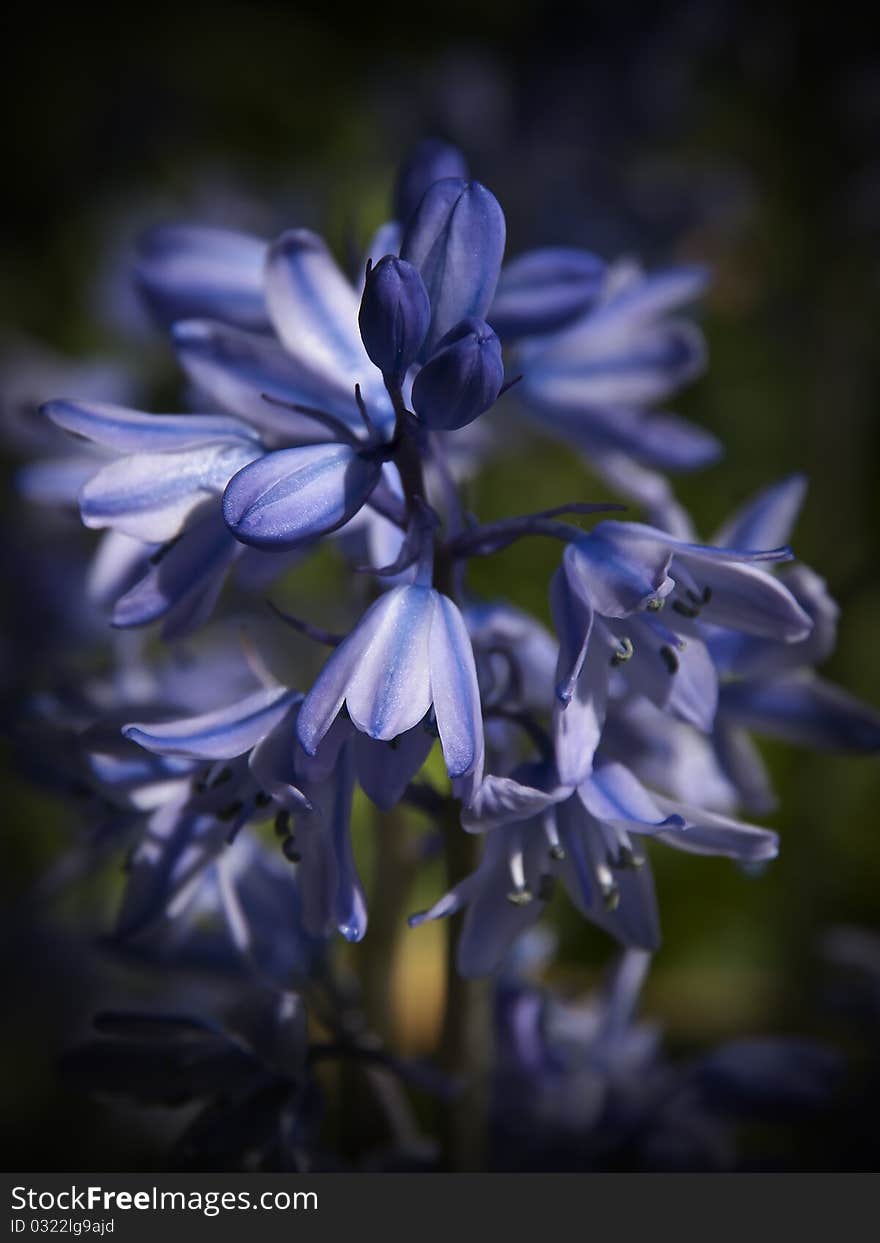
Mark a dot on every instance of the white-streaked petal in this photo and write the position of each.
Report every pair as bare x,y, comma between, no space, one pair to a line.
294,495
219,735
149,496
454,689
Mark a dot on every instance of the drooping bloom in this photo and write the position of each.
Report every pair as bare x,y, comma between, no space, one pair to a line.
410,654
607,598
586,837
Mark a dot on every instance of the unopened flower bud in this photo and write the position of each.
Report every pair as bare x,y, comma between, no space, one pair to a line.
394,316
461,379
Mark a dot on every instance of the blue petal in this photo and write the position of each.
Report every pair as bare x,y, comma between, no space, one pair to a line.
542,290
183,587
119,562
504,800
741,762
749,656
648,369
620,574
492,922
167,866
134,431
394,316
768,519
389,691
273,763
454,689
219,735
461,379
385,769
236,369
456,240
747,598
190,271
381,669
578,725
613,794
351,909
679,678
802,709
150,496
634,921
294,495
708,833
315,311
664,441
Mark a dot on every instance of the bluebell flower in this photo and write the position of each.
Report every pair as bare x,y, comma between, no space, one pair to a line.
767,684
606,599
409,654
597,382
256,737
539,829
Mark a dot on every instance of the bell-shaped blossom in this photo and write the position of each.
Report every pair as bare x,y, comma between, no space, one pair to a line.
261,730
606,601
394,316
587,839
409,653
461,379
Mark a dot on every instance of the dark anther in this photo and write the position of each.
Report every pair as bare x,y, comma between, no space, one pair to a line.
230,812
289,850
263,799
686,610
669,658
556,852
222,777
282,823
707,594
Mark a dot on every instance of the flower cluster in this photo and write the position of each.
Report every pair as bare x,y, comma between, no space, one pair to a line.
323,409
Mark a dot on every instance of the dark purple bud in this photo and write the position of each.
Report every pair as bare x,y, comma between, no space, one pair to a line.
462,379
456,240
543,290
430,160
394,316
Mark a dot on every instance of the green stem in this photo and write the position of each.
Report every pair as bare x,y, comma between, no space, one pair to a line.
465,1043
396,865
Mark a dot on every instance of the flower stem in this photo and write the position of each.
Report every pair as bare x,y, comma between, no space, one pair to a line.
465,1042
